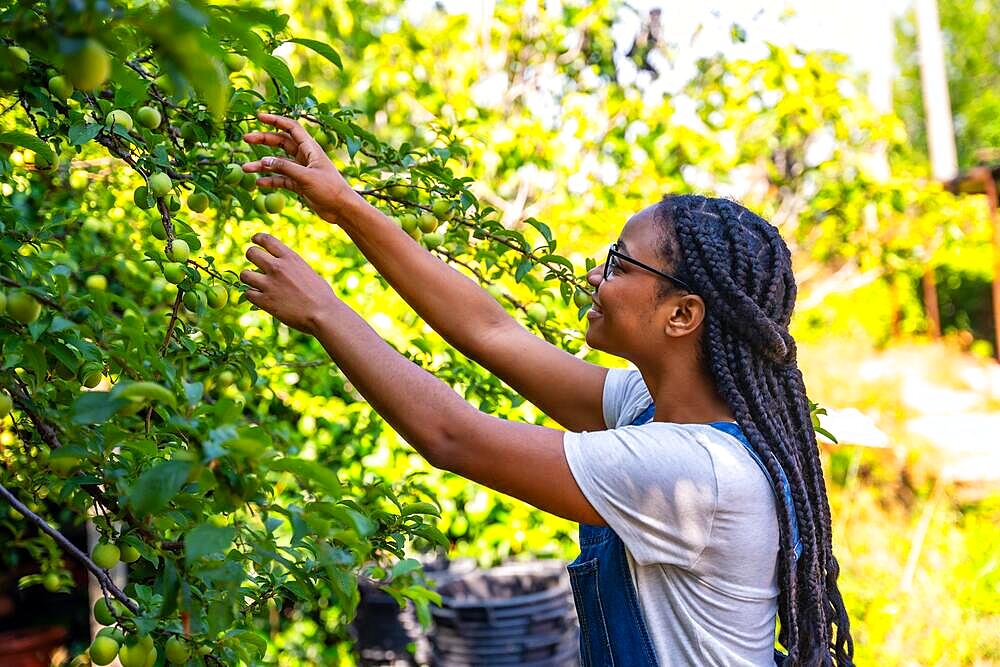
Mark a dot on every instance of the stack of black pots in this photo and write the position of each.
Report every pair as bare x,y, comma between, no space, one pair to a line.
517,614
385,635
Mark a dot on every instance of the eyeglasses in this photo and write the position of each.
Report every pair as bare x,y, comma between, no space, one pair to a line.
614,256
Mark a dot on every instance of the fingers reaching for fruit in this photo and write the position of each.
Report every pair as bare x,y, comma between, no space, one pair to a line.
286,286
307,171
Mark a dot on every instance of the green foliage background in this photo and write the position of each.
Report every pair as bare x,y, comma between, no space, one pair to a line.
522,122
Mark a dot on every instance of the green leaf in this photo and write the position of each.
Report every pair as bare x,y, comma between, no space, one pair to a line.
542,228
819,429
96,407
420,508
432,534
310,471
278,69
405,567
361,524
522,269
206,539
320,48
29,141
82,133
155,487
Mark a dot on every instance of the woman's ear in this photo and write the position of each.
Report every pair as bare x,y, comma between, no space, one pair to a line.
687,312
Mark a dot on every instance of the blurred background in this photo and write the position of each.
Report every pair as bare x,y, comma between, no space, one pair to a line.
866,131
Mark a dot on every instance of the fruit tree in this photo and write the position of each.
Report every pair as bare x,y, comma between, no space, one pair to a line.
138,387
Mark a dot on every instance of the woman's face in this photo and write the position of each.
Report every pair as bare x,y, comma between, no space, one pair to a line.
626,305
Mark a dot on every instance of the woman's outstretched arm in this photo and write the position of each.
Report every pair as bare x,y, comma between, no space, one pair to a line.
522,460
564,387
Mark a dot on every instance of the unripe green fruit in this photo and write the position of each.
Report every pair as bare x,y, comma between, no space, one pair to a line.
149,117
320,136
197,202
160,184
177,651
234,62
78,179
157,229
91,375
103,650
581,298
112,632
23,307
233,174
188,131
174,272
260,203
102,612
96,282
51,582
248,181
105,555
399,191
179,251
432,240
6,404
133,656
442,209
274,202
89,67
409,222
225,379
428,222
120,118
537,312
140,198
129,553
60,87
217,296
16,59
194,300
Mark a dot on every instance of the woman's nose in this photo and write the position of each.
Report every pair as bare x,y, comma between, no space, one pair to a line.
596,275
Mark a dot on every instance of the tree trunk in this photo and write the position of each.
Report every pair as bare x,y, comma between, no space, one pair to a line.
931,304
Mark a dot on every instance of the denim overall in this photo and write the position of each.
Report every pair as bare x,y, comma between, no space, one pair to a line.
612,630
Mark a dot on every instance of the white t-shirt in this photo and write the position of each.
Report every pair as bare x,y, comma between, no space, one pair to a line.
697,517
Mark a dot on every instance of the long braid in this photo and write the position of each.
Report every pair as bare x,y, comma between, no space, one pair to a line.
741,267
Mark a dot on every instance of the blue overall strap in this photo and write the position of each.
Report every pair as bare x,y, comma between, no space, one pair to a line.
786,489
613,631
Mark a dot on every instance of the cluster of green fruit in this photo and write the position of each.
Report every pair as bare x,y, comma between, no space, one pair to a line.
423,227
106,555
85,70
135,650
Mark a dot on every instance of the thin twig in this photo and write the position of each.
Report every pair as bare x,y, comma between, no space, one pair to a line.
69,547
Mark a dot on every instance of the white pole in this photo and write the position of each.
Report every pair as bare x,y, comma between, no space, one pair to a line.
937,103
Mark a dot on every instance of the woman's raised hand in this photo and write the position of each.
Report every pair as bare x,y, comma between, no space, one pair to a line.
307,171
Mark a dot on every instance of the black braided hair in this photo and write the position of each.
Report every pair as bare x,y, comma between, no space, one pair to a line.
740,266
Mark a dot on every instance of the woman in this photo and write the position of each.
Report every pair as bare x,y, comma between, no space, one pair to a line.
696,478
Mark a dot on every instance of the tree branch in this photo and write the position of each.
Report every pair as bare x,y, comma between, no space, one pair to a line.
71,549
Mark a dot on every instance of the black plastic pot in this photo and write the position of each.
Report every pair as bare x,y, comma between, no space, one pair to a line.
387,636
517,614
